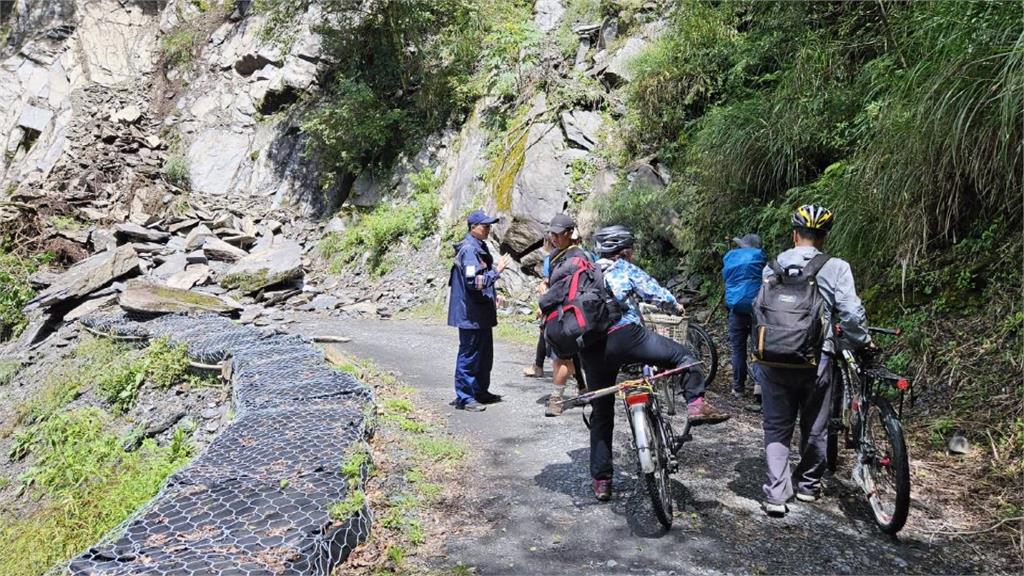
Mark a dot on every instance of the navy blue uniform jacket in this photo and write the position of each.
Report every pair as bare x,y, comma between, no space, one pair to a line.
472,303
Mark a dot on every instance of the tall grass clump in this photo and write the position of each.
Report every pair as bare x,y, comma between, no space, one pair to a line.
89,485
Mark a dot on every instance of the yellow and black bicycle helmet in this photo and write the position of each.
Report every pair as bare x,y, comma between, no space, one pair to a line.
813,218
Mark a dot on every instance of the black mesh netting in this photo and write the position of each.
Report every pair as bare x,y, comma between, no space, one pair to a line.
257,501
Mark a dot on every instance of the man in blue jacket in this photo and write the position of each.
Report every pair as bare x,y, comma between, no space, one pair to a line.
472,309
741,270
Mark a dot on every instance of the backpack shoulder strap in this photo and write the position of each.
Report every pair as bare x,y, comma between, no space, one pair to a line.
814,266
777,269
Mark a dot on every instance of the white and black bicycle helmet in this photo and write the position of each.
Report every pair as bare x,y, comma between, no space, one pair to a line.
613,239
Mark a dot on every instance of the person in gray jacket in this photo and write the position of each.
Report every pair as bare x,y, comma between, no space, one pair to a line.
787,392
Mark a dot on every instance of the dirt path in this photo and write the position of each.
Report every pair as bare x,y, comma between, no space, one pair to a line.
533,489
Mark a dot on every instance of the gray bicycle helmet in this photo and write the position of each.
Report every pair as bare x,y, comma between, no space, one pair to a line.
613,239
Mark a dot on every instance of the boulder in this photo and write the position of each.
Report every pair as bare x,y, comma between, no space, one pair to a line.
89,306
217,249
197,237
193,275
88,276
174,264
582,128
540,190
547,14
214,160
282,262
130,231
158,299
620,68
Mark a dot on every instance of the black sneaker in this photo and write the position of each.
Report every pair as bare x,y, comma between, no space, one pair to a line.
488,398
471,406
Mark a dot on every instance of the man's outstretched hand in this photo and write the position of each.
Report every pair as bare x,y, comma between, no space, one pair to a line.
503,262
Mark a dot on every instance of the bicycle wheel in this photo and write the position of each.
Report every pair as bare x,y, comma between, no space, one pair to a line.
884,466
658,482
706,351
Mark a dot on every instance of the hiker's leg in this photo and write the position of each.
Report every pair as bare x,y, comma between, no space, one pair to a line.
739,331
466,365
600,374
483,375
814,416
779,406
542,351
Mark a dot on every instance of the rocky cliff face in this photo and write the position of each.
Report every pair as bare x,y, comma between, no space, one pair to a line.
89,99
177,116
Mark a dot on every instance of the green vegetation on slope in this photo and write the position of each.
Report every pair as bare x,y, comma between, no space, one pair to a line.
86,481
378,231
903,117
15,290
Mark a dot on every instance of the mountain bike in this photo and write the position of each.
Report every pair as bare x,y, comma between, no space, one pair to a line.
863,416
654,440
681,329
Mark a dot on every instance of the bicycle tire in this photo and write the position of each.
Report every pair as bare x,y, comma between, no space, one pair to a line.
704,347
659,482
893,466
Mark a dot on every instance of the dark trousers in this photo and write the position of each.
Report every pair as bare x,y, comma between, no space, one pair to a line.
473,364
785,394
602,361
542,350
739,334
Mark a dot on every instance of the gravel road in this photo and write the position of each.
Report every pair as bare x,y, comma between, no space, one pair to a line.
533,494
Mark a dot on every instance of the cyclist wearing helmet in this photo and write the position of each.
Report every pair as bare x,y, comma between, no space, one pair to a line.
787,392
628,342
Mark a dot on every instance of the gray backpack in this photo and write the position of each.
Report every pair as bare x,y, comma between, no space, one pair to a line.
789,327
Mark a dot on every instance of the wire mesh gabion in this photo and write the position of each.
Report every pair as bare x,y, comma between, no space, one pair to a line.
257,501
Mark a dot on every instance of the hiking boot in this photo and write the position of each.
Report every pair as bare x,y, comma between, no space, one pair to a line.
737,394
488,398
775,510
554,406
603,490
701,412
471,406
534,371
808,496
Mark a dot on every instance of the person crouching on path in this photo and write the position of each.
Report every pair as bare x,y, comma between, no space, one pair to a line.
628,342
472,308
741,270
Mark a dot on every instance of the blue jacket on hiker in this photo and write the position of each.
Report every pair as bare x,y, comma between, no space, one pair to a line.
742,273
473,297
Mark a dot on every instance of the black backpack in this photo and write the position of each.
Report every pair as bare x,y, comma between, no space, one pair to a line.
789,327
578,308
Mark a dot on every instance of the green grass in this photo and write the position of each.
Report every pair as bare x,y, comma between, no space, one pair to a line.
161,364
8,370
179,46
352,504
439,449
15,291
175,171
380,230
65,223
516,332
90,485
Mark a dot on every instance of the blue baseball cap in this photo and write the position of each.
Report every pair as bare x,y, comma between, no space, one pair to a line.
480,217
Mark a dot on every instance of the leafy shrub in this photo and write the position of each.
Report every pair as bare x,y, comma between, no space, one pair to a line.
178,47
15,291
377,232
175,171
161,364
